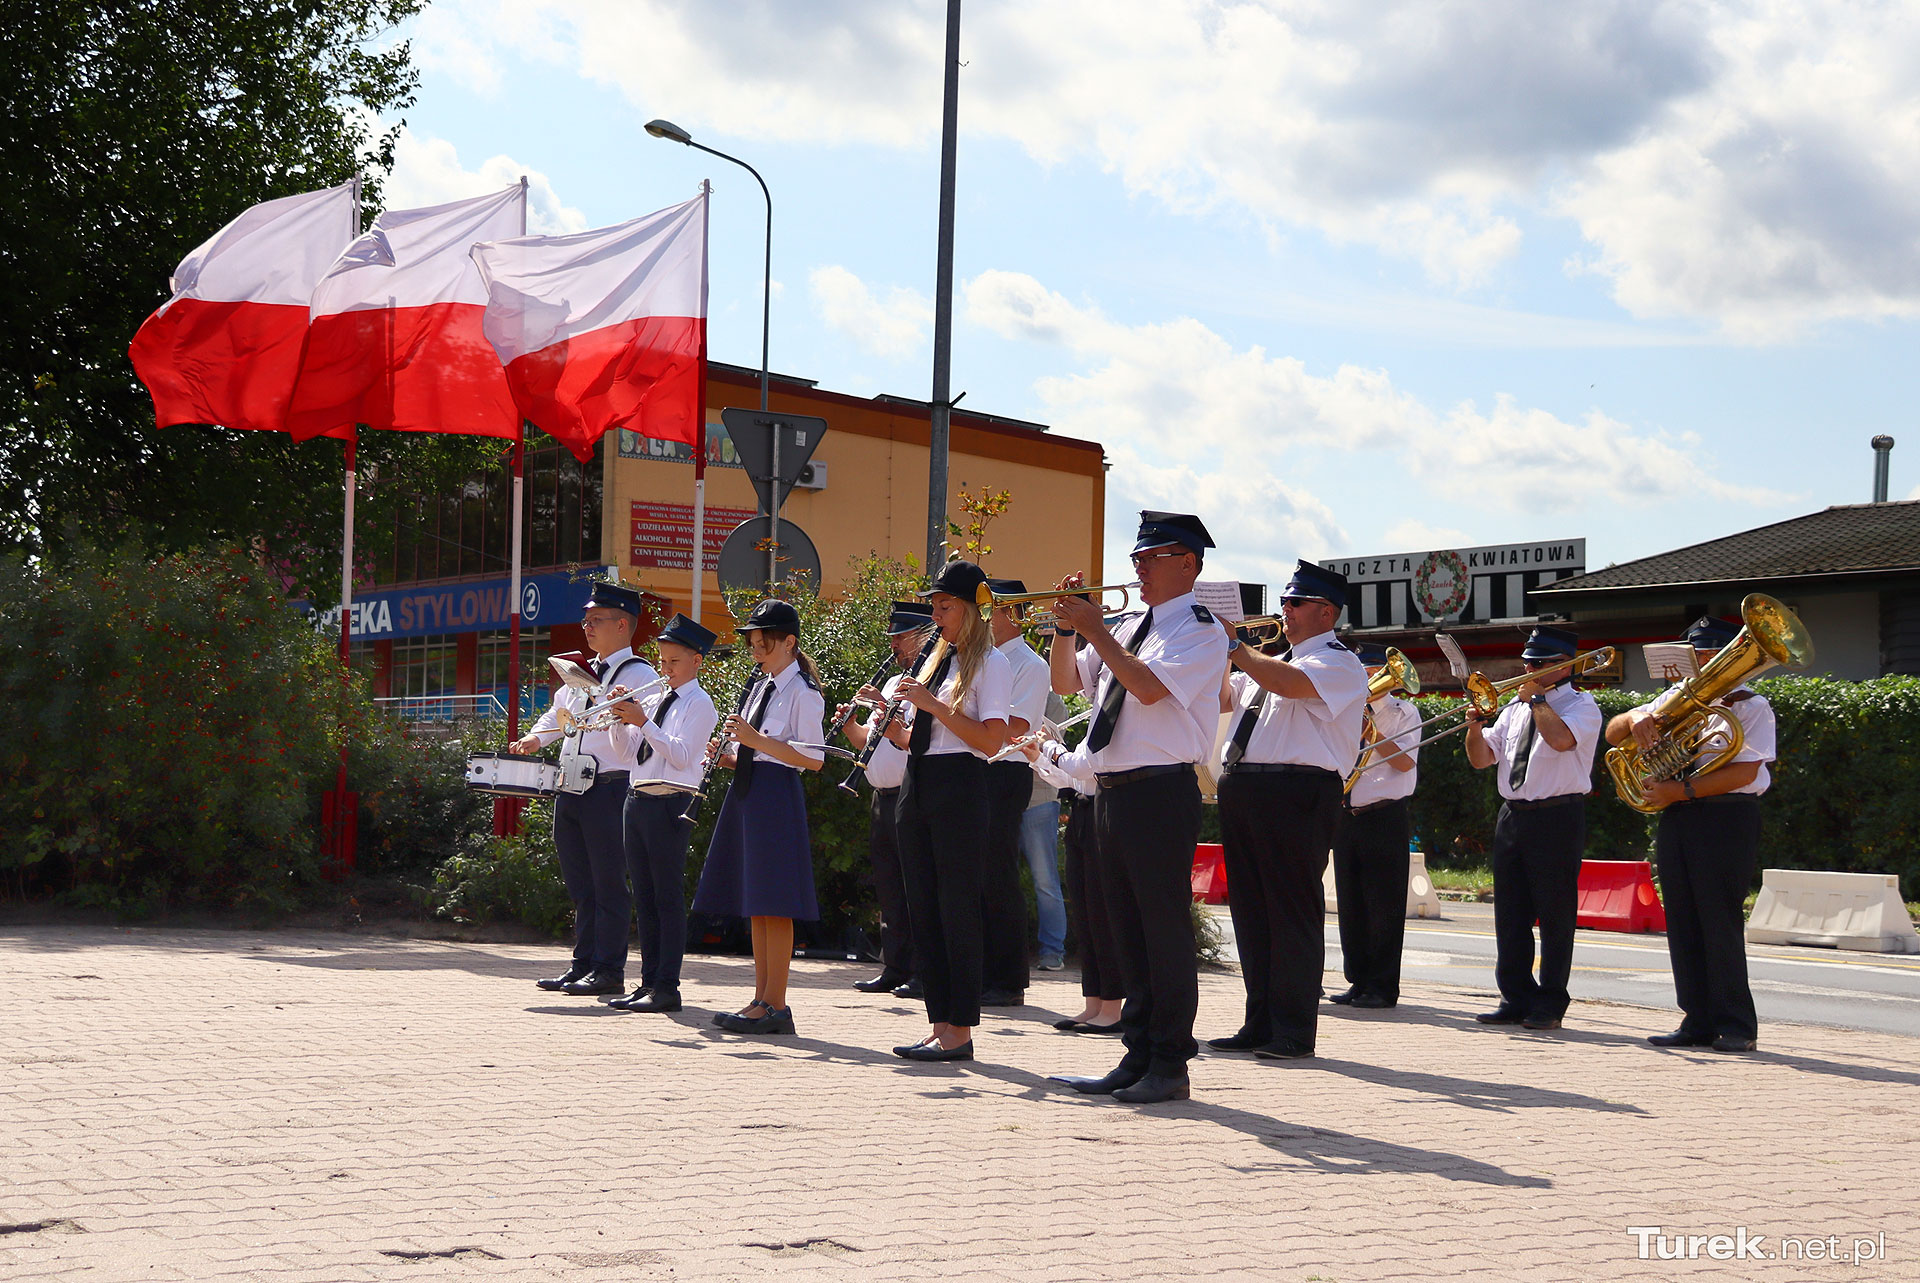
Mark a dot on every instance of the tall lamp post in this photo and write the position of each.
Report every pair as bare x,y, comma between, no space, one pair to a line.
673,133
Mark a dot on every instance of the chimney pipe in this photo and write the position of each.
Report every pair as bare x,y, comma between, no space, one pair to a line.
1882,448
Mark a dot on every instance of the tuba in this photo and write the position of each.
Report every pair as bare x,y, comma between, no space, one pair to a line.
1691,743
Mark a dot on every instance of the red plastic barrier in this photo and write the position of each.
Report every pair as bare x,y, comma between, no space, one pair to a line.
1209,873
1618,895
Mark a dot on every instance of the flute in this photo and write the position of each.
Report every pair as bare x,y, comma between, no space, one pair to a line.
1046,728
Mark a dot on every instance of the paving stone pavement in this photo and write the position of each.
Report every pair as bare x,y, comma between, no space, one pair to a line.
200,1105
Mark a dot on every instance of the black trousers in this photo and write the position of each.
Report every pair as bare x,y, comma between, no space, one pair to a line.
1087,906
590,838
1370,883
1536,876
1707,851
1276,829
1003,905
1145,830
942,831
883,850
657,865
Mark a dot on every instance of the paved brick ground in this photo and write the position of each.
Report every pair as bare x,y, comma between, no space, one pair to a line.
215,1105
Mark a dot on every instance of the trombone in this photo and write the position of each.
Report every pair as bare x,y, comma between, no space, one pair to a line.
1484,694
989,600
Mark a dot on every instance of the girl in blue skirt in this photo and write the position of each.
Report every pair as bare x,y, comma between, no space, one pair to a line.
760,864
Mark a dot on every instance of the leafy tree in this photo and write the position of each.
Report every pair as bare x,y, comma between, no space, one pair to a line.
132,131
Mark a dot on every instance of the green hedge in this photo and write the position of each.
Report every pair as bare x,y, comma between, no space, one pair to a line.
1845,793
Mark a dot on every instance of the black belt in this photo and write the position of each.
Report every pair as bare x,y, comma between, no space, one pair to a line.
880,792
1719,799
1113,779
1374,806
611,777
1545,802
1278,768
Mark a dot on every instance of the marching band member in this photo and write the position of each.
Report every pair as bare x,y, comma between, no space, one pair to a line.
907,629
1101,985
760,863
1157,699
959,719
1541,748
1009,789
668,736
1370,849
587,826
1296,734
1708,843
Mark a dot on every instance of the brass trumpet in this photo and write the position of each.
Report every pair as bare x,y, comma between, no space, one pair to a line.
1397,674
988,600
1261,629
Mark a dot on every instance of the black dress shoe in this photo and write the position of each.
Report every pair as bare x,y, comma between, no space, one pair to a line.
1155,1088
1734,1043
1100,1086
1372,1002
934,1051
1352,992
623,1004
1541,1022
1284,1049
775,1021
1003,998
885,982
1242,1041
657,1000
595,983
911,991
557,983
721,1017
1681,1038
1502,1015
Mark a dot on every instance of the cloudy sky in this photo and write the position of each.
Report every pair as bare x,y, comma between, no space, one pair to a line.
1342,278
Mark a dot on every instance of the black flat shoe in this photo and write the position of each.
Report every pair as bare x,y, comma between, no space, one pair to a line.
1069,1025
1154,1089
935,1052
1540,1022
1003,998
885,982
776,1021
623,1004
721,1017
1284,1049
1372,1002
1733,1044
1106,1086
1237,1042
1681,1038
557,983
595,983
1500,1016
1344,998
657,1000
911,991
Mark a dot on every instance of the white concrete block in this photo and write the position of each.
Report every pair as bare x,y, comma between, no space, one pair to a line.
1422,900
1839,910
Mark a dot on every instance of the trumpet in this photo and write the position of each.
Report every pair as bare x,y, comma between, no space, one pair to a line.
1261,629
1048,730
600,717
989,600
1397,674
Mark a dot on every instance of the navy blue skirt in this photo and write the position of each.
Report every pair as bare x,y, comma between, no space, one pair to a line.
760,864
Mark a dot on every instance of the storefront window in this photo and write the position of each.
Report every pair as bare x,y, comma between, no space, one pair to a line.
423,667
465,532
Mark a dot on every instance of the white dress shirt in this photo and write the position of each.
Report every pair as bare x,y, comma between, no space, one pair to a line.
612,752
1323,730
1187,651
1032,684
1756,724
795,713
1068,769
1397,723
679,741
987,700
1550,773
887,768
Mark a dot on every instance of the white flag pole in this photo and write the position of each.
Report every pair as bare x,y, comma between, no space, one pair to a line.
506,811
699,561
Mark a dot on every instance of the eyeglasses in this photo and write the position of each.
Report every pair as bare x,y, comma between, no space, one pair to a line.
1297,602
1140,558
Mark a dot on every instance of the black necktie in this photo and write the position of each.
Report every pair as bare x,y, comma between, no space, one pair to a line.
660,720
599,667
743,756
1243,733
1101,733
1518,775
922,733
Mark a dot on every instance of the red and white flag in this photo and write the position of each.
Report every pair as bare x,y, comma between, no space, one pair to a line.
604,329
226,347
395,337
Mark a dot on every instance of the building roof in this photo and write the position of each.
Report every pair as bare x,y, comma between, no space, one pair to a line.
1846,540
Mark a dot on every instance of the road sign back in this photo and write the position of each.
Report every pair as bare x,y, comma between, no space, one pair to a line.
752,432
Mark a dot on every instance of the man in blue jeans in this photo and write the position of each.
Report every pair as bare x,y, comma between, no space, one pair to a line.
1040,844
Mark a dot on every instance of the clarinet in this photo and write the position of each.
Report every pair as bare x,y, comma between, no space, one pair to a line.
879,675
692,814
929,661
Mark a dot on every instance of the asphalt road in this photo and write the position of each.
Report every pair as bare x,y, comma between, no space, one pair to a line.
1840,989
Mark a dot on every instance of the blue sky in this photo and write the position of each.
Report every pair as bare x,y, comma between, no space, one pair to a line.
1343,279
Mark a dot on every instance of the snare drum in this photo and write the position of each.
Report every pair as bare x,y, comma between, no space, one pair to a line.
510,775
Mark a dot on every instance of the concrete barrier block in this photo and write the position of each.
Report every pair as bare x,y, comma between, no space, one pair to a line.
1422,900
1839,910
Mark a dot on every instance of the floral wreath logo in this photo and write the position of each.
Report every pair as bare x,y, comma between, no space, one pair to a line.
1440,584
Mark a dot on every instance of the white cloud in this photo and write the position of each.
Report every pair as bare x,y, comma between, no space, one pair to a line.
427,171
1247,425
1747,162
894,328
1414,533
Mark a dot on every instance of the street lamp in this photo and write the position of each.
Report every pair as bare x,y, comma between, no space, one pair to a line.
673,133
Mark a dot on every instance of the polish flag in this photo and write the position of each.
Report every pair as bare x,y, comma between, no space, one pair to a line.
395,336
604,329
226,347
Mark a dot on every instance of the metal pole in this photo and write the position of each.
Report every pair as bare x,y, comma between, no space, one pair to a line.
940,417
1882,456
699,562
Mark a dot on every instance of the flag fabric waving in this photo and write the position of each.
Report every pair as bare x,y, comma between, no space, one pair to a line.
395,342
225,349
606,328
